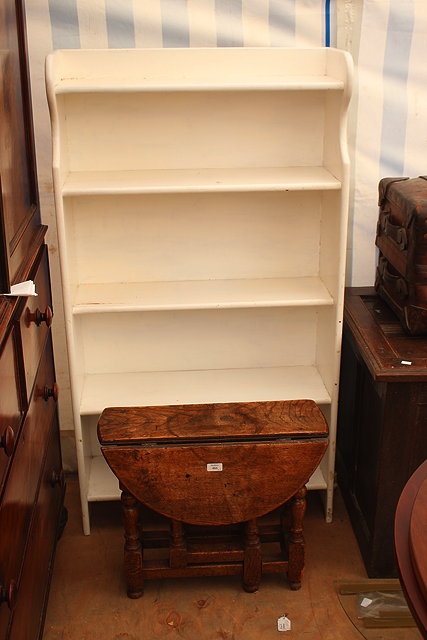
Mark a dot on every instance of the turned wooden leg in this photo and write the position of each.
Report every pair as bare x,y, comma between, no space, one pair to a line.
252,561
178,548
284,530
133,548
296,539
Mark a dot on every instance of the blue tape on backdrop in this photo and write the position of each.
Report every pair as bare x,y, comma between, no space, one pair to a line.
327,23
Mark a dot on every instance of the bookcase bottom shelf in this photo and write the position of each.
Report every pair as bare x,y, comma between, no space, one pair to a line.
185,387
103,484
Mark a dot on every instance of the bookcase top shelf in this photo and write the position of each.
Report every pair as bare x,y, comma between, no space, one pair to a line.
300,83
198,69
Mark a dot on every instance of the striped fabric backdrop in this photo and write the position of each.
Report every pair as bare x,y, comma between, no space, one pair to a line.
388,122
188,23
390,115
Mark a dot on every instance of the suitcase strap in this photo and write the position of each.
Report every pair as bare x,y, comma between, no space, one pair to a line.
395,281
394,231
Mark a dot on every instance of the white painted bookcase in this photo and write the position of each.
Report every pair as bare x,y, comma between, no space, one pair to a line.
202,199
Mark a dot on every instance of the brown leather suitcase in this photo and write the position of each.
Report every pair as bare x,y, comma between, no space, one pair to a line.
401,278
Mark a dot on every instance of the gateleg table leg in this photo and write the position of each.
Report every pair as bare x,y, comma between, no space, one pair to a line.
178,548
296,545
133,548
252,561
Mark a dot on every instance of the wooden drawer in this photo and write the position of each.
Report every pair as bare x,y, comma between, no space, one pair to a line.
34,582
35,321
10,410
20,492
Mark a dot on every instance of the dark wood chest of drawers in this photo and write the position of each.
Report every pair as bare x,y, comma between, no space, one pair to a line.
382,425
31,478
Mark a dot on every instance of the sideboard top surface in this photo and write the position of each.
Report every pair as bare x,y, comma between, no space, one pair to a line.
389,353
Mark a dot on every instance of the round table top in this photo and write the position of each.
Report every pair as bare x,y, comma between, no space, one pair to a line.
410,535
418,537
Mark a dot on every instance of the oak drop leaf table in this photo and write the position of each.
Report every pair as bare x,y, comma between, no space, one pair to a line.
212,470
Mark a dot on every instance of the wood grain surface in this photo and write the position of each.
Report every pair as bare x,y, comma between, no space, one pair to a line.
381,339
255,478
219,421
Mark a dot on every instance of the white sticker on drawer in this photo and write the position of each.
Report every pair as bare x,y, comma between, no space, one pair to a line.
214,466
27,288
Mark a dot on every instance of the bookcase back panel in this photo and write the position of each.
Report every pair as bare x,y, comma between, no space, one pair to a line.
178,130
193,236
192,340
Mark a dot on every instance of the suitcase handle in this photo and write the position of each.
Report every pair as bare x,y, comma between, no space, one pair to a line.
383,188
394,231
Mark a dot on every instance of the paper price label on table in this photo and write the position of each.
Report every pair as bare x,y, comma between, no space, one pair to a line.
214,466
283,624
366,602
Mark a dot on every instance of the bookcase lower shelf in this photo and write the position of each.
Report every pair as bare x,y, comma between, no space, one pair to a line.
184,387
201,294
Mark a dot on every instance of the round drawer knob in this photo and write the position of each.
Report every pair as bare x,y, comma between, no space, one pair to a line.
39,316
8,594
51,392
57,478
7,440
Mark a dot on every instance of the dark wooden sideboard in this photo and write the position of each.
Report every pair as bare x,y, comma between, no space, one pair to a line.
31,478
382,424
